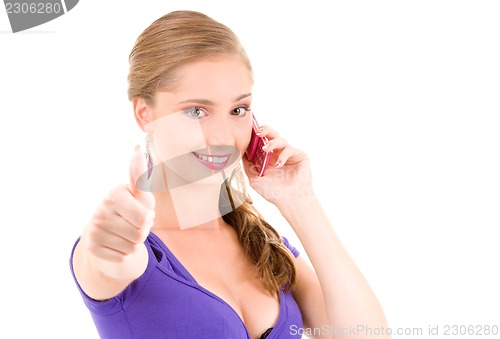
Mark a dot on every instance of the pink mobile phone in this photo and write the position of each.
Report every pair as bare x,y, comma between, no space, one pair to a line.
254,153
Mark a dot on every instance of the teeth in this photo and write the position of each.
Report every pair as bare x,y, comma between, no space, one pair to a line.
219,160
215,160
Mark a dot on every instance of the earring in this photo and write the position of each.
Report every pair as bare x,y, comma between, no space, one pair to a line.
147,154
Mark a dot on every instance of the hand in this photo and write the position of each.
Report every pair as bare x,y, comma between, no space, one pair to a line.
288,176
123,220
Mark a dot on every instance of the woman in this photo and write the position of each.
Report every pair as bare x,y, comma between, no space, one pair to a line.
165,257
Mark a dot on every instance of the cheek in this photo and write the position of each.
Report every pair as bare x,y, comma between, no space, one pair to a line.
243,136
175,136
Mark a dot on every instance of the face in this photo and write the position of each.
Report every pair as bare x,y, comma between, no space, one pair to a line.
203,127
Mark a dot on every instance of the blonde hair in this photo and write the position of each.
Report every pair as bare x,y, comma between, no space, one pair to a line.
179,38
176,39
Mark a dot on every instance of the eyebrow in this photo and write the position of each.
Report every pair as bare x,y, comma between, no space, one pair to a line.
208,102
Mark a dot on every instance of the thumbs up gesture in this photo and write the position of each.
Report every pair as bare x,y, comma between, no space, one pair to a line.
123,219
111,251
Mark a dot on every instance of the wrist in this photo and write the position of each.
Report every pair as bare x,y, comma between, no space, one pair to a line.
296,206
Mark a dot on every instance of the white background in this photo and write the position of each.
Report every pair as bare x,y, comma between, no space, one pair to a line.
396,102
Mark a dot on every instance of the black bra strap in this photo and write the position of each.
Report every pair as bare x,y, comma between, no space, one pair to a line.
266,333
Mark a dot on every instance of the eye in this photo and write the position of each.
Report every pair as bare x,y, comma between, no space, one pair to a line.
240,111
195,112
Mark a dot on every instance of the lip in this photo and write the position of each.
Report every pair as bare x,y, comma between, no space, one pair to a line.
214,162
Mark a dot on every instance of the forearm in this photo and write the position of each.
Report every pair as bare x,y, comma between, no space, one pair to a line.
349,299
102,279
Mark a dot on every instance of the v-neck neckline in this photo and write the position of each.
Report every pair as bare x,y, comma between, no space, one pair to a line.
195,284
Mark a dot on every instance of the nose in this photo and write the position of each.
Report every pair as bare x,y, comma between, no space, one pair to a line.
219,131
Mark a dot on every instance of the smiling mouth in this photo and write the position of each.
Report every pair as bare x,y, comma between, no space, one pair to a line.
214,162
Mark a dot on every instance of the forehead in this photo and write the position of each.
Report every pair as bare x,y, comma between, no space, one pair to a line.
217,76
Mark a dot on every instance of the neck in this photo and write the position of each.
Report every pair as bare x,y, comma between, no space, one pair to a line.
188,206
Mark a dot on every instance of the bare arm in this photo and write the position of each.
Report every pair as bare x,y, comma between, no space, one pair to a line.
310,299
349,300
111,251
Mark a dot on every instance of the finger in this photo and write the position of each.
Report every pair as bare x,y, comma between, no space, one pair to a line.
268,131
138,169
273,144
107,254
113,254
285,154
116,243
121,202
118,226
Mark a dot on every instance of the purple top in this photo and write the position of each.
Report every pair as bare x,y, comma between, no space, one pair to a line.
167,302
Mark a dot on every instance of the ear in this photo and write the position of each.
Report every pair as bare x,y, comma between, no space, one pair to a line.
142,112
